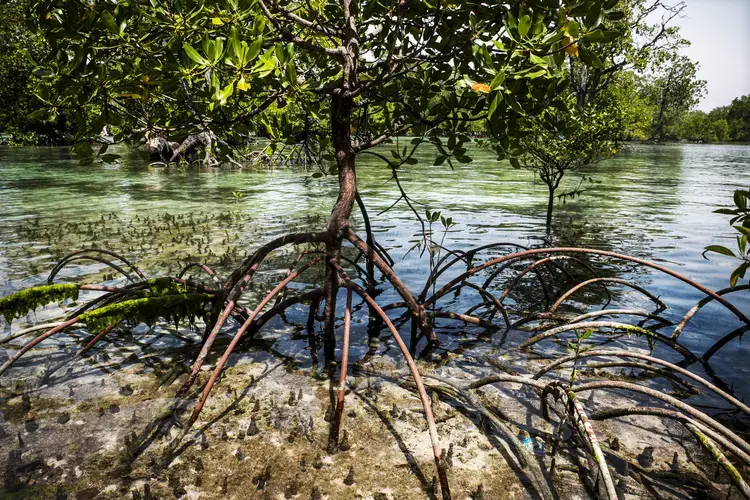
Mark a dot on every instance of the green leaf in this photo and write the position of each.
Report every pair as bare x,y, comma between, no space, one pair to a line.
593,16
738,273
615,15
594,36
740,200
538,60
494,104
580,9
573,28
523,25
194,55
536,74
498,80
109,22
226,93
610,35
720,249
39,114
254,49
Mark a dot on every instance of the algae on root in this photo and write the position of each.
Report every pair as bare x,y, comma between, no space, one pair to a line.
165,286
20,303
148,310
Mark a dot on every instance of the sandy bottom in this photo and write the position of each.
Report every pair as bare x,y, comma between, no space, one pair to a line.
93,431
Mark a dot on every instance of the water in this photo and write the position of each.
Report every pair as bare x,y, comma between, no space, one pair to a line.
652,202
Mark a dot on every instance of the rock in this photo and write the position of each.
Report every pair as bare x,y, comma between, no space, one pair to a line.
31,425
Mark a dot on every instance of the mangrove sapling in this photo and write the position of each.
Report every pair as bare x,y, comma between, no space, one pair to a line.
563,140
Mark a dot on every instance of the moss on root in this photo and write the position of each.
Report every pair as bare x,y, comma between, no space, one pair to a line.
148,310
20,303
165,286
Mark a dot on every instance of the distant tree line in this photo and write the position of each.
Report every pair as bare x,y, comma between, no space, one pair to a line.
723,124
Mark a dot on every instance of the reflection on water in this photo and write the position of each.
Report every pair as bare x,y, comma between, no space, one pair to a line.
652,202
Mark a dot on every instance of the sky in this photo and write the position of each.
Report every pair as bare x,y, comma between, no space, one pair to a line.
720,34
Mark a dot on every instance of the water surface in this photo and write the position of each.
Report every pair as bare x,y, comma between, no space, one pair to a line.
655,202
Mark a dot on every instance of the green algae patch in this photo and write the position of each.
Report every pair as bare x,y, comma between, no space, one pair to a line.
148,310
20,303
165,286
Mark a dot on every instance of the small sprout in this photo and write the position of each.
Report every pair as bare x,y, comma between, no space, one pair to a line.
344,444
329,414
646,458
292,489
479,494
349,480
614,443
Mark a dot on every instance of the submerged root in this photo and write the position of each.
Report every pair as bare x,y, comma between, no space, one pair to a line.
150,301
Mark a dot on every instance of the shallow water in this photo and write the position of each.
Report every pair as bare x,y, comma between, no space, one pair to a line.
654,202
